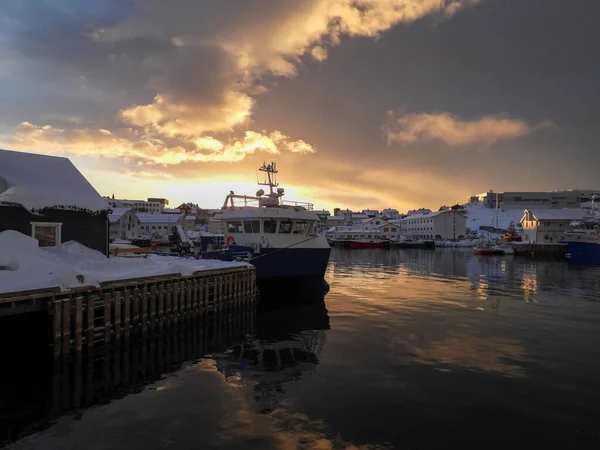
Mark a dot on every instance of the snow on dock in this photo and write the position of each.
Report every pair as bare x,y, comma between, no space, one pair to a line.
24,266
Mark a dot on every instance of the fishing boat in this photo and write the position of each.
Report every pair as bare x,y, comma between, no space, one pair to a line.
483,248
401,241
277,237
583,241
511,235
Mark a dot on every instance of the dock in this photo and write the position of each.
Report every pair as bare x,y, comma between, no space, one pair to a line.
117,311
540,250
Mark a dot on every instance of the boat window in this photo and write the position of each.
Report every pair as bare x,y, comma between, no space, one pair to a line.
235,227
270,226
300,227
285,226
252,226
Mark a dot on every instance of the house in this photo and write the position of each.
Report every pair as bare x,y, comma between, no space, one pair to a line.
370,212
435,225
123,224
391,213
335,221
380,227
189,222
46,197
546,226
158,226
152,205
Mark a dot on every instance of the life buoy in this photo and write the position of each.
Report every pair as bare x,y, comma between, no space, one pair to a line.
230,240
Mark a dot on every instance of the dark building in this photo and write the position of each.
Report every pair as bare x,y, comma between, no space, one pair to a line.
46,197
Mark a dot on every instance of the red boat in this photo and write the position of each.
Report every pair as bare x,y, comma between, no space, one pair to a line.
511,235
483,248
366,244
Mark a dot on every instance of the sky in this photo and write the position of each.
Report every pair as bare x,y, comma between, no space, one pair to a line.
363,104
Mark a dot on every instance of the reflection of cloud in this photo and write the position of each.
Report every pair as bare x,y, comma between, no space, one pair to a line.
484,353
423,127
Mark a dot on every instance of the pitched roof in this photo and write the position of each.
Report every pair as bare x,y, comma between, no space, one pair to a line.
37,181
158,218
560,214
117,213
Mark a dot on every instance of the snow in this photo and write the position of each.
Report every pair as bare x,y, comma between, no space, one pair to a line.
480,216
117,213
560,214
24,266
40,181
158,218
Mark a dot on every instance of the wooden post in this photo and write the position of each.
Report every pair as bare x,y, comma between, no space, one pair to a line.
127,318
117,325
161,306
57,327
206,294
78,323
107,318
188,298
90,305
144,317
66,326
153,307
136,309
195,297
169,296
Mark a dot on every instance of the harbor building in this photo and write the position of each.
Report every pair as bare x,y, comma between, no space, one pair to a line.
151,206
158,226
380,227
46,197
444,225
123,224
542,200
547,226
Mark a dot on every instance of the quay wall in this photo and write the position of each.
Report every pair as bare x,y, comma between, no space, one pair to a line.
542,250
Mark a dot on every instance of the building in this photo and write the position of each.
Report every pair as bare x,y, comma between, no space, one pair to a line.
335,221
444,225
123,224
189,223
391,213
380,227
152,205
546,226
540,200
323,216
46,197
158,226
370,212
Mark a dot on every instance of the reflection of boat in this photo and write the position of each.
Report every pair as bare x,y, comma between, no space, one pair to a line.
366,243
583,240
286,347
278,238
483,248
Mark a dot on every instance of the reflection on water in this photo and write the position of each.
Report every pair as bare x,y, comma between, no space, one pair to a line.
413,349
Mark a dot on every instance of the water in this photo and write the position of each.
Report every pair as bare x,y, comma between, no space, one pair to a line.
415,349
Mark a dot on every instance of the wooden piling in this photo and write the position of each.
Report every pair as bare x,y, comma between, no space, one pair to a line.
66,326
117,314
77,344
107,317
57,327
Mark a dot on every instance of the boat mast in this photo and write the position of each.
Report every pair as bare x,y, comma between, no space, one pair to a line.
271,173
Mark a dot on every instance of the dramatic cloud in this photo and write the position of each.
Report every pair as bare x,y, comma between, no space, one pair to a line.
85,142
423,127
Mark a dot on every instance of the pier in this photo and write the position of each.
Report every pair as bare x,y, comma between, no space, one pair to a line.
541,250
116,311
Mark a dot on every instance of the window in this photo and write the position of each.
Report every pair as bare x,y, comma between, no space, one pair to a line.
285,226
270,226
48,234
386,229
300,227
234,227
393,229
252,226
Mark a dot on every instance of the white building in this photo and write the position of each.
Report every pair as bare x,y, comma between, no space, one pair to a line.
391,213
158,226
123,224
380,227
546,226
370,212
189,223
152,205
435,225
335,221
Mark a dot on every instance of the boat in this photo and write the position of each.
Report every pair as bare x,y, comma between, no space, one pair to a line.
401,241
366,243
583,241
511,235
279,238
503,249
483,248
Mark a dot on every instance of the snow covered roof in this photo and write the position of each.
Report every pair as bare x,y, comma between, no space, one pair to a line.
158,218
559,214
37,181
117,213
190,217
336,218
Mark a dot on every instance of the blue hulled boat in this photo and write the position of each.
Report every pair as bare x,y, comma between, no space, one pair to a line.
583,240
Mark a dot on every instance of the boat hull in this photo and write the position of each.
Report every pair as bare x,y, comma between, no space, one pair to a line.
483,251
291,262
361,244
584,252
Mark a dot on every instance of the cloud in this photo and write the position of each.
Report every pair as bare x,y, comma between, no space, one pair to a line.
87,142
445,127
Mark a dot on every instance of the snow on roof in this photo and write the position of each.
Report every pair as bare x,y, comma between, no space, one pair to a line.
37,181
158,218
334,218
478,215
190,217
559,214
117,213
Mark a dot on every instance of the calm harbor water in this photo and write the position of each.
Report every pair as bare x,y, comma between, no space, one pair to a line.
412,349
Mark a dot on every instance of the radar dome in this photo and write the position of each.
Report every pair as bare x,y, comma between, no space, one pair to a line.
280,190
260,193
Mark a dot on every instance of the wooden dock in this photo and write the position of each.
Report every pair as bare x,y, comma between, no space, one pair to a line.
116,311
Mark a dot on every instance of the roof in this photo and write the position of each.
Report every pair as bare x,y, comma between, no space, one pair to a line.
559,214
36,182
158,218
117,213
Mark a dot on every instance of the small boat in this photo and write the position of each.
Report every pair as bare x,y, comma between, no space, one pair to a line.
511,235
356,244
483,248
503,249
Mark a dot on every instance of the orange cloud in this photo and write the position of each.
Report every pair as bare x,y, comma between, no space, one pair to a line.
423,127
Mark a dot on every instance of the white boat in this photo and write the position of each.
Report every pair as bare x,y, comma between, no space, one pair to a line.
279,238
